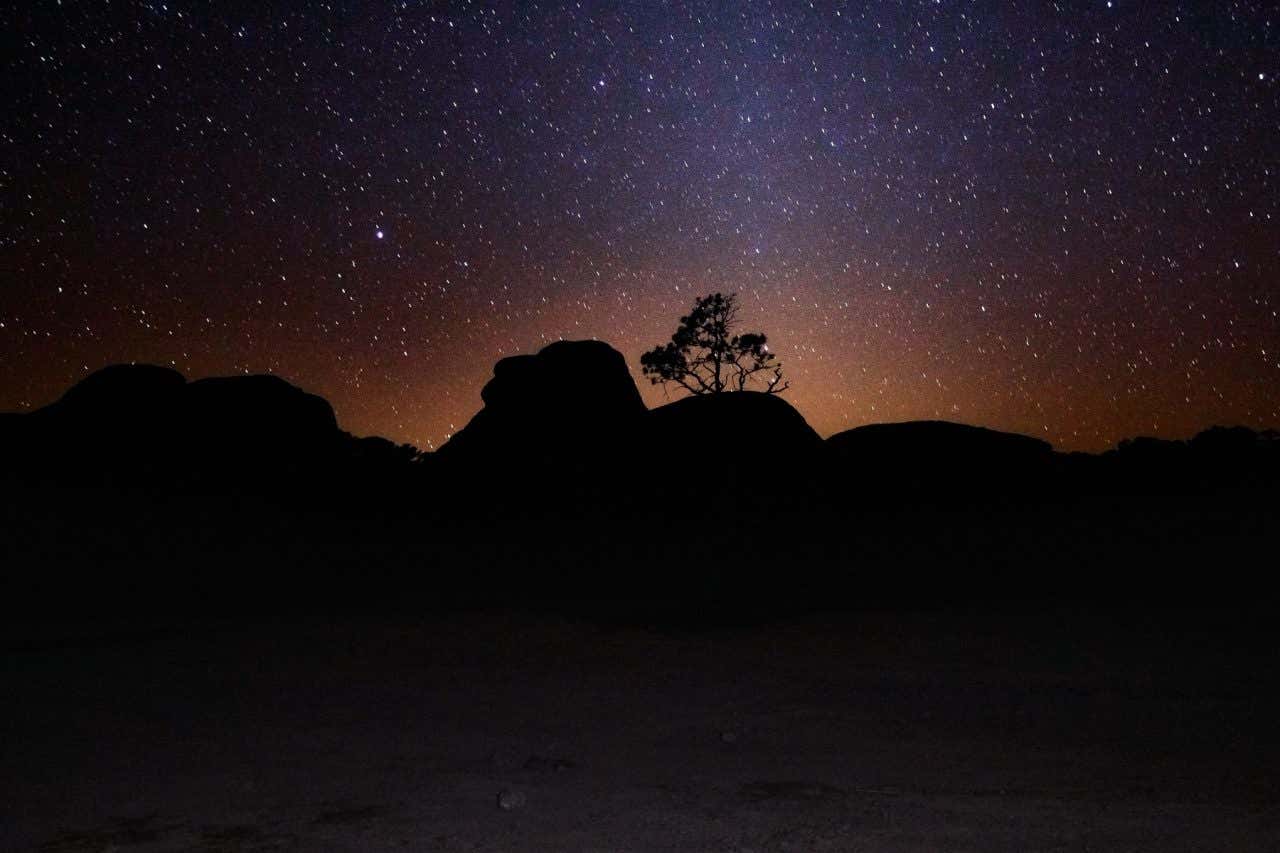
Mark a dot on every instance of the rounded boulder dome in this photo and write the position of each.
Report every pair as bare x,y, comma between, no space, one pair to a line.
936,441
258,408
748,425
122,388
938,457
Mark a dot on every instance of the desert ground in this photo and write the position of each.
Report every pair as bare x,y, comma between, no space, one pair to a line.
508,730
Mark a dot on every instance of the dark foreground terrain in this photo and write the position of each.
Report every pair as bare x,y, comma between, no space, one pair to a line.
227,625
879,731
205,672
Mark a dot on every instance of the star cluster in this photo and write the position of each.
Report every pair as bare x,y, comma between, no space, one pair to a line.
1054,218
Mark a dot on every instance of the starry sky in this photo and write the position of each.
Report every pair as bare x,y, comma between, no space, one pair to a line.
1055,218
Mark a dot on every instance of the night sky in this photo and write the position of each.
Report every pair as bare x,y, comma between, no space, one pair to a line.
1060,219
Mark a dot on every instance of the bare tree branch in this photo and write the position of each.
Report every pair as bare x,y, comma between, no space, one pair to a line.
773,383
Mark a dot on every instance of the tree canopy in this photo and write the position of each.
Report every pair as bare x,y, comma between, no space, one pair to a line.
704,356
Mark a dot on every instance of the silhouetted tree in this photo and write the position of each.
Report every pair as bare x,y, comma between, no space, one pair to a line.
705,357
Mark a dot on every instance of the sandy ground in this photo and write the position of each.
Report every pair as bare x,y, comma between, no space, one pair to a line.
874,732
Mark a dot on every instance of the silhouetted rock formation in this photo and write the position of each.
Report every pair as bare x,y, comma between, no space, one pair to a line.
118,393
749,428
939,456
1237,449
1238,455
260,421
15,443
244,492
941,439
568,425
573,403
381,454
117,409
722,449
122,420
1146,464
142,423
1219,457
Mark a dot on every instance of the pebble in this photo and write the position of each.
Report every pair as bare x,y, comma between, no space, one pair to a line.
509,800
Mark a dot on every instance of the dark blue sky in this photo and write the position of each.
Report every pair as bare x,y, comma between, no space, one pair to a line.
1054,218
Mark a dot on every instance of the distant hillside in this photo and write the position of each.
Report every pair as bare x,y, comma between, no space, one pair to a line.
568,421
938,439
140,497
146,424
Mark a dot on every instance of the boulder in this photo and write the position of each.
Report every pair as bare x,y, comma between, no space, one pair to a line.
751,426
147,423
571,402
729,451
939,456
121,418
936,441
257,411
121,390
